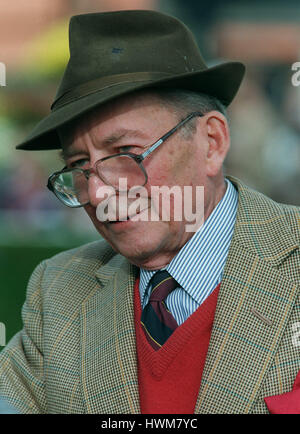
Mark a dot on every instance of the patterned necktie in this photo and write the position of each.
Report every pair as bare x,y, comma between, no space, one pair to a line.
157,321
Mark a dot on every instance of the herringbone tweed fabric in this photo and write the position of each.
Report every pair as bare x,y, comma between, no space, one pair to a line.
77,351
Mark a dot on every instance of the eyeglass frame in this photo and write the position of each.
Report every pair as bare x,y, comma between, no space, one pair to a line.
138,158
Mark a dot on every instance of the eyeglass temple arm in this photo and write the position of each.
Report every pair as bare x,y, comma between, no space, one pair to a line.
168,134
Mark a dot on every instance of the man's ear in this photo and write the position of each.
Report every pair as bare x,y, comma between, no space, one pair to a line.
218,141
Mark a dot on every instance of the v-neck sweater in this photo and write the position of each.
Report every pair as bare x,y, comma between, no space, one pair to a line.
169,378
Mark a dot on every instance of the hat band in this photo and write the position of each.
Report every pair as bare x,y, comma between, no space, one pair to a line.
104,83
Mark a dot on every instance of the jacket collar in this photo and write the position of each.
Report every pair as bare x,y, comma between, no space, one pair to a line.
257,223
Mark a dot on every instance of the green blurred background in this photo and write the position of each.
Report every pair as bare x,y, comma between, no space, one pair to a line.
264,118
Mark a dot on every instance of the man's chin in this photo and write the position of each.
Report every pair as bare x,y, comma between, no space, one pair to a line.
137,250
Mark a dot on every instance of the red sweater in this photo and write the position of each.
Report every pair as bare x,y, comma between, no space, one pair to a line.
169,379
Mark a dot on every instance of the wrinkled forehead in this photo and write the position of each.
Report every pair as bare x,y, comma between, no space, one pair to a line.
139,99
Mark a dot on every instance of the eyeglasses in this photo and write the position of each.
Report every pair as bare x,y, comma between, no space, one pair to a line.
70,186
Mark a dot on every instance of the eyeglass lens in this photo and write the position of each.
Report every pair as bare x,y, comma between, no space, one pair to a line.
72,187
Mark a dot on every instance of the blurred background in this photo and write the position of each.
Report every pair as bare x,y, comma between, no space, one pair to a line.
264,118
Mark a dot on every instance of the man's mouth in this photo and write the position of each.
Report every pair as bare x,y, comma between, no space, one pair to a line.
127,218
118,221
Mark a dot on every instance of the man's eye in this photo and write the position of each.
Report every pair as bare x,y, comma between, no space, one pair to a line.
79,163
125,148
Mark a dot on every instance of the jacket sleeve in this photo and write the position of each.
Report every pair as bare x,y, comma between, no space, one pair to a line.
21,361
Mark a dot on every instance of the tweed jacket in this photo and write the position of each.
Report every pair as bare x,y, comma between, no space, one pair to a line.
77,350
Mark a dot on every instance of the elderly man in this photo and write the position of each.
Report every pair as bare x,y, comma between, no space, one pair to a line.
155,318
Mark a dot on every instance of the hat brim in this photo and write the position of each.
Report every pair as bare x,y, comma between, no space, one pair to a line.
221,81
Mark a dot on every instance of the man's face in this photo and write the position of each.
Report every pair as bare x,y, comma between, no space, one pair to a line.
132,124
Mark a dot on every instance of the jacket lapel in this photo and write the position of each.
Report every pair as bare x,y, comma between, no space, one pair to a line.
108,362
253,308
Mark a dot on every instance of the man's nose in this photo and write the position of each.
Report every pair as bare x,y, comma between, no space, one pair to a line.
98,190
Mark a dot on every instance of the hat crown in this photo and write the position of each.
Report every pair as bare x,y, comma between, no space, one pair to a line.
112,43
114,54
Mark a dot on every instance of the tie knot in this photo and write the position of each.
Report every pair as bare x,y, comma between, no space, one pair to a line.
162,284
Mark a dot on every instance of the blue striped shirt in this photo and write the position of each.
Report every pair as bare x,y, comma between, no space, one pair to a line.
198,266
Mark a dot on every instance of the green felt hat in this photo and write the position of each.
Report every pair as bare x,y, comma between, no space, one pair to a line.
116,53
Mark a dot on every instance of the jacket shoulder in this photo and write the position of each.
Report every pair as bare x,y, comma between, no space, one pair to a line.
96,253
69,277
292,214
265,223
